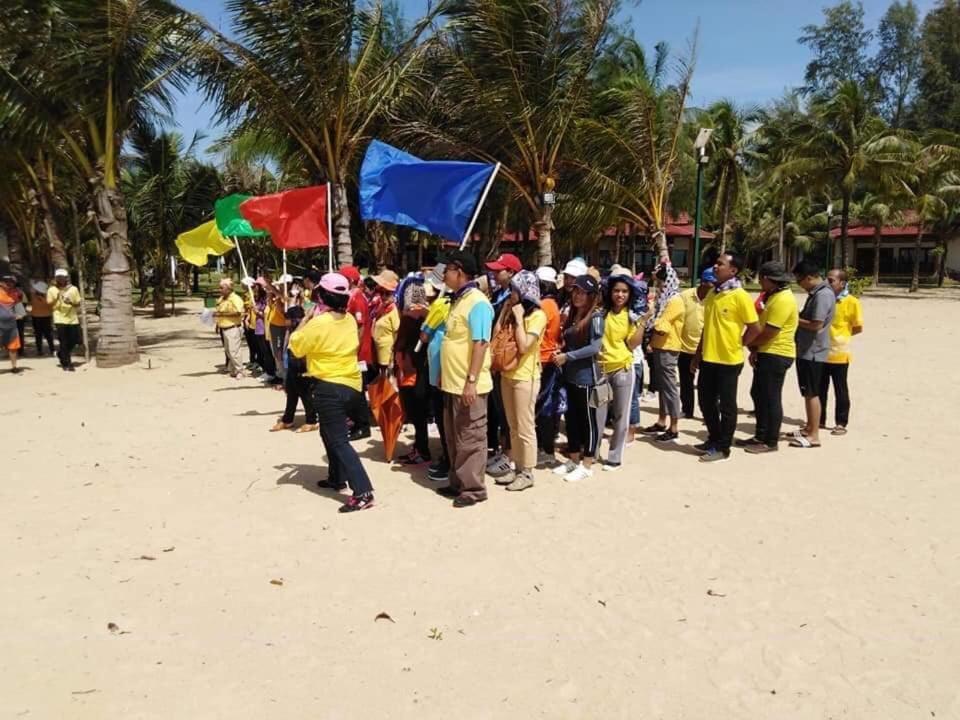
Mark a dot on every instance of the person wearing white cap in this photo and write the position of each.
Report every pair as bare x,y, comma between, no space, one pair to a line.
65,299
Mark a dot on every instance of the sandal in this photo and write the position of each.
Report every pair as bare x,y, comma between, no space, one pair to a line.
280,425
307,428
802,441
839,430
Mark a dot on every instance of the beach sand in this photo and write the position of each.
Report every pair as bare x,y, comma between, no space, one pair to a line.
148,519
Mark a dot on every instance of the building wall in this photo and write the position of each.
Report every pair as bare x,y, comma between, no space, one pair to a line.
646,257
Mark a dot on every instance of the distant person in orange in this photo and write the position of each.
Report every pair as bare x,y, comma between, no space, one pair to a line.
41,316
9,336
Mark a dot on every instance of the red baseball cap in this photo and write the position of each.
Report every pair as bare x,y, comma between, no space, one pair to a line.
350,273
506,262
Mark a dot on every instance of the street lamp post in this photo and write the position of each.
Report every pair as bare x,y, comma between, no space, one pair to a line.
700,145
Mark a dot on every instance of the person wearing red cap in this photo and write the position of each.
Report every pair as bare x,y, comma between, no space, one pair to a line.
498,433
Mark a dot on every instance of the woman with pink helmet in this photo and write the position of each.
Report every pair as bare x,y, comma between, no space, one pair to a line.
328,342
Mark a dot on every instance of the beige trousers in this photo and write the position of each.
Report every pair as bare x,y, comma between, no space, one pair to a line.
519,400
231,345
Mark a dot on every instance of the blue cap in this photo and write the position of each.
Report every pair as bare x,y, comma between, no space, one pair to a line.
708,275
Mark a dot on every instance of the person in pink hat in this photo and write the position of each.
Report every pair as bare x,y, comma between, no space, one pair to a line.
328,342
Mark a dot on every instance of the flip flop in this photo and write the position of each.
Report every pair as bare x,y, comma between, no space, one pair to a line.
802,441
839,431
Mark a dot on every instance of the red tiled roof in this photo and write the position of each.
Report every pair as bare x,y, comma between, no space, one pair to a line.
861,231
679,226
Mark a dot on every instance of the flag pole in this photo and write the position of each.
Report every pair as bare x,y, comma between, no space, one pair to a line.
329,229
285,303
476,213
243,267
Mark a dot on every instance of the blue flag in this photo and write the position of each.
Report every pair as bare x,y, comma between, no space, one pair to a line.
436,196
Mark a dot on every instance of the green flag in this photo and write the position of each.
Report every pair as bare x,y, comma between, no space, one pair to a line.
230,222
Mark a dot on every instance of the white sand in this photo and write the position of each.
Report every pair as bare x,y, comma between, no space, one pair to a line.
834,572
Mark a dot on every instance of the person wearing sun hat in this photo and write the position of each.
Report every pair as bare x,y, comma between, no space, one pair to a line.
386,318
328,342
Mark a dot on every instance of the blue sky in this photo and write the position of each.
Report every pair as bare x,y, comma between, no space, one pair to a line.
747,49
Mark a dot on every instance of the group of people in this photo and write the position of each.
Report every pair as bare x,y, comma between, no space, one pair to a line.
50,308
501,357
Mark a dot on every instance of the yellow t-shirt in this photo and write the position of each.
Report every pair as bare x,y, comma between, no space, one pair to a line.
614,353
692,321
65,303
385,334
529,367
848,316
780,311
669,326
329,342
455,350
233,305
724,318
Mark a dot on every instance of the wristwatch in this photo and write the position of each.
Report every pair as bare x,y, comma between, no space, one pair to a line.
471,378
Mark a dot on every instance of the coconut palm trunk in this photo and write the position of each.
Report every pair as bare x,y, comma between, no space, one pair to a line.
844,225
117,344
544,228
341,225
726,217
915,280
877,237
783,231
51,222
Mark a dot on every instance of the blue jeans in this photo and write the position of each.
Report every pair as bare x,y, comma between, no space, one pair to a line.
637,389
333,403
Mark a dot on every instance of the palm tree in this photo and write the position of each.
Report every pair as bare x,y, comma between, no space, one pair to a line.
730,186
878,211
842,145
83,79
513,80
315,81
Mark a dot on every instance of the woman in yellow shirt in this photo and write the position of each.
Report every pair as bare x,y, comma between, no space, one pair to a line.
666,322
329,343
622,332
520,386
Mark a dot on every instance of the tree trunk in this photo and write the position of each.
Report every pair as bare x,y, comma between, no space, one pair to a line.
341,225
844,224
877,236
783,231
942,261
52,226
18,259
159,297
195,286
117,344
915,280
660,245
544,227
726,217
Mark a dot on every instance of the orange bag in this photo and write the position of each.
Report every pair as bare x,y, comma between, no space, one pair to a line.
504,351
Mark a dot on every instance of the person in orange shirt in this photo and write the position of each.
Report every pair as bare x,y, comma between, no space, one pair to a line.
9,336
41,316
551,377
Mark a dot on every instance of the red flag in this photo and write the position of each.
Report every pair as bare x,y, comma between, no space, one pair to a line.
295,219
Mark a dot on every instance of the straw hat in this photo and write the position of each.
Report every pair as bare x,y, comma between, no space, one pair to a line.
387,279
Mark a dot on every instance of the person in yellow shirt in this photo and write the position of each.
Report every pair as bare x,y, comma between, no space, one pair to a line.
772,353
65,299
520,386
666,324
729,323
329,343
386,321
228,315
693,299
847,322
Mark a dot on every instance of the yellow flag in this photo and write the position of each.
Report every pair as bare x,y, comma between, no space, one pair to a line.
195,245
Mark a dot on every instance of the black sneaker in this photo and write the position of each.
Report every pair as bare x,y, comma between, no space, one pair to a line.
667,437
461,501
440,470
328,485
359,433
447,491
704,447
741,443
654,429
715,455
357,502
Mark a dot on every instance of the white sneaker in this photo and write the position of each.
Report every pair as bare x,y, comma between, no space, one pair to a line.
580,472
565,468
499,465
610,467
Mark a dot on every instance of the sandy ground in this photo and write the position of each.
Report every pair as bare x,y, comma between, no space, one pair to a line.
807,584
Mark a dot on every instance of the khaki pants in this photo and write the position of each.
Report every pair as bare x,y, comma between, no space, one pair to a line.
231,345
519,401
466,430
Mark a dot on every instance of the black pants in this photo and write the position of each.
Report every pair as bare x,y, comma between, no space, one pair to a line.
415,410
299,388
546,423
333,403
43,328
837,373
436,405
686,384
583,433
652,380
266,355
498,432
767,394
717,386
67,338
21,328
252,345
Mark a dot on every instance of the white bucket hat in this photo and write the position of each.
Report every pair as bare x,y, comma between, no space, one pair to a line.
575,268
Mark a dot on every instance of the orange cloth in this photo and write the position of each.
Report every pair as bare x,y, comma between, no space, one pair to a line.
550,342
39,307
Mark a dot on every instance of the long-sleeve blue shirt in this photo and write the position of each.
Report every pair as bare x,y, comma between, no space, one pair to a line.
582,354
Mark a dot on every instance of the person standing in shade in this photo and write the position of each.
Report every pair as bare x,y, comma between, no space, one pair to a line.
690,336
9,336
666,325
328,342
229,317
551,379
847,322
729,323
465,380
65,299
41,316
771,355
813,347
582,340
622,332
521,385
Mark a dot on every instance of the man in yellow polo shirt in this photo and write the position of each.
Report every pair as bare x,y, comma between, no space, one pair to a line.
729,322
465,380
771,354
228,315
847,322
690,336
64,298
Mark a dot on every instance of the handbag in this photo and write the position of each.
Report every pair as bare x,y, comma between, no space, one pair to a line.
601,393
504,351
